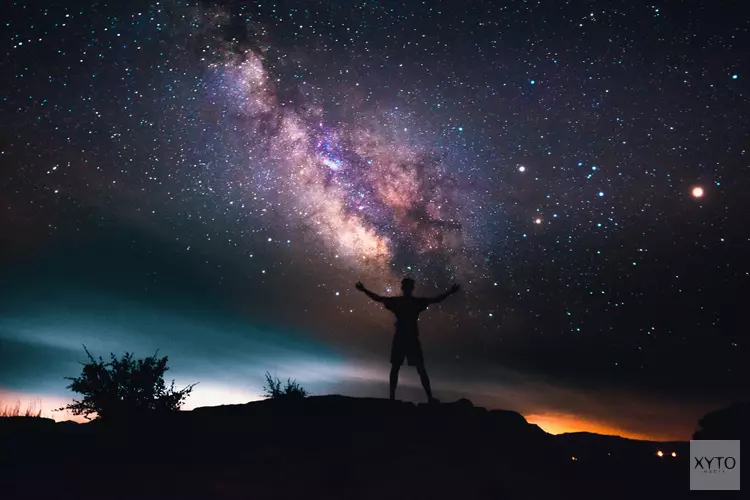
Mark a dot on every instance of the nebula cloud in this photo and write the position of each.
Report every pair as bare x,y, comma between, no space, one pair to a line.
368,196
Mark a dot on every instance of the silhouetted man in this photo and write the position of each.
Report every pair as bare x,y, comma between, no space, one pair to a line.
406,340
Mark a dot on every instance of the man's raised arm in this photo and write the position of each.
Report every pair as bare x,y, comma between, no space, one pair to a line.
372,295
443,296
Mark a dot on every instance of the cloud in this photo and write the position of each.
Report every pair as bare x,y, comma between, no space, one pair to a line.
32,366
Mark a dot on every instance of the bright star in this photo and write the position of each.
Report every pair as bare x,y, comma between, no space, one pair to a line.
333,164
697,192
522,169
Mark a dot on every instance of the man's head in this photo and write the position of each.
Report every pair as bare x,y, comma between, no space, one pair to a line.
407,286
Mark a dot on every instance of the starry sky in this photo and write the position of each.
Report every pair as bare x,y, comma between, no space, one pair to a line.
211,179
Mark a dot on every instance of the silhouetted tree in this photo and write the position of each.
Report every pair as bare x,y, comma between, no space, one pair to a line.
274,389
727,423
125,387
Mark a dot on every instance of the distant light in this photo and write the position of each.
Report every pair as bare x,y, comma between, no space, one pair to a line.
697,192
601,193
537,221
460,129
659,453
593,168
734,77
674,454
533,82
580,163
522,169
337,294
573,458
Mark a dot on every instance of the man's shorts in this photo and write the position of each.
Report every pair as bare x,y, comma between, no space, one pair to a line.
406,347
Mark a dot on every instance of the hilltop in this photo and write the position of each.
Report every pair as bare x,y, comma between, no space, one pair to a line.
330,447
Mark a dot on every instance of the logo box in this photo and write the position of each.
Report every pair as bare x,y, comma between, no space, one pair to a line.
715,465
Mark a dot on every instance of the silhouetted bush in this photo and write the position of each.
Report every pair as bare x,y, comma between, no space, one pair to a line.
124,388
274,389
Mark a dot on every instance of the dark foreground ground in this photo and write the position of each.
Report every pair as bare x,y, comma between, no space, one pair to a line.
332,447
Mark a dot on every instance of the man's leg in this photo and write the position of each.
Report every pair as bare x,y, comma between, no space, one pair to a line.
398,355
425,381
394,379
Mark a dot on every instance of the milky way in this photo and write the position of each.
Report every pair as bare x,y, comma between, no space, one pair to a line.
368,195
357,190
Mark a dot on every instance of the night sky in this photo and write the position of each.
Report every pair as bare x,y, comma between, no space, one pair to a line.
211,180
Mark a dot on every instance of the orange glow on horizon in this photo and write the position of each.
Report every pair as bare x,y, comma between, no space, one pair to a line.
563,423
